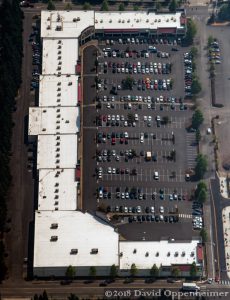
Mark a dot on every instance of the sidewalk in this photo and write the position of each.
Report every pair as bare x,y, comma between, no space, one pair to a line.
226,228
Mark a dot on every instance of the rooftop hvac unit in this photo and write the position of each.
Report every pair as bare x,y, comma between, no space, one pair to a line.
58,100
183,253
57,161
74,251
123,21
57,155
176,253
57,138
78,19
56,203
121,254
74,20
54,238
59,63
59,57
147,20
58,144
57,127
192,253
147,254
48,27
56,208
54,226
110,21
43,129
67,121
58,116
48,19
44,110
58,74
128,21
94,251
157,254
59,105
59,47
58,28
57,149
56,184
58,90
56,191
119,21
134,251
58,68
59,52
58,110
168,254
44,197
70,83
59,41
56,197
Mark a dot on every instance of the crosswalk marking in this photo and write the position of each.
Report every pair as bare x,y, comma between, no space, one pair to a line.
185,216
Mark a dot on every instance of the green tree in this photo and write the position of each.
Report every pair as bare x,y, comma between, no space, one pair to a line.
154,271
191,31
198,136
200,186
204,235
201,166
86,6
113,271
135,7
194,52
202,196
175,272
197,119
121,7
165,120
128,82
196,86
68,6
224,12
193,270
173,6
51,5
70,272
72,297
105,6
92,271
210,40
133,270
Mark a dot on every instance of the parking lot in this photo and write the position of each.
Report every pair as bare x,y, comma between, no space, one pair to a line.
135,139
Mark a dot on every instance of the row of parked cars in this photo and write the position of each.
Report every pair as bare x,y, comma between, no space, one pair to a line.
141,40
188,76
197,211
36,60
114,53
139,98
140,68
214,53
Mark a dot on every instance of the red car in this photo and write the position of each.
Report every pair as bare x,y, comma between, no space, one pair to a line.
113,141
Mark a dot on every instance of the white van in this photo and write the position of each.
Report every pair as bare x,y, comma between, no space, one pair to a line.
156,175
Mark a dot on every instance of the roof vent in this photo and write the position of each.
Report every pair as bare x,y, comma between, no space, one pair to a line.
70,83
48,19
78,19
58,68
119,21
121,254
56,184
147,20
57,161
58,110
58,144
74,251
58,116
56,203
67,75
56,208
74,20
176,253
59,47
59,63
183,253
54,226
57,127
59,52
168,254
192,253
59,57
123,21
57,121
134,251
94,251
147,254
59,83
57,138
57,149
128,21
54,238
57,155
110,21
59,41
157,254
48,27
101,21
56,191
58,89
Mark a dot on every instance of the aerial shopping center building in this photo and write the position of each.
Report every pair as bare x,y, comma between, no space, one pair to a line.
64,234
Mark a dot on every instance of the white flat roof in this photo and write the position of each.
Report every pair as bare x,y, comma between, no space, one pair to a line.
76,230
53,152
71,23
44,120
143,261
138,20
57,189
61,60
58,91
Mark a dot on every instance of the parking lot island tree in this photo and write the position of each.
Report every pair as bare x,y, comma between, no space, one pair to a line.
204,235
92,271
202,196
193,270
191,32
133,270
200,186
201,166
70,272
154,271
105,6
51,5
196,86
197,119
113,271
127,83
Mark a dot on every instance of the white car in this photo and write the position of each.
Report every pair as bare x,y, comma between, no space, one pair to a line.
113,170
158,118
149,118
126,135
161,209
152,209
109,170
145,118
142,137
156,175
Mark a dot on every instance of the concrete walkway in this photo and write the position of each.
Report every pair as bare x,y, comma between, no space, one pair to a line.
226,229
